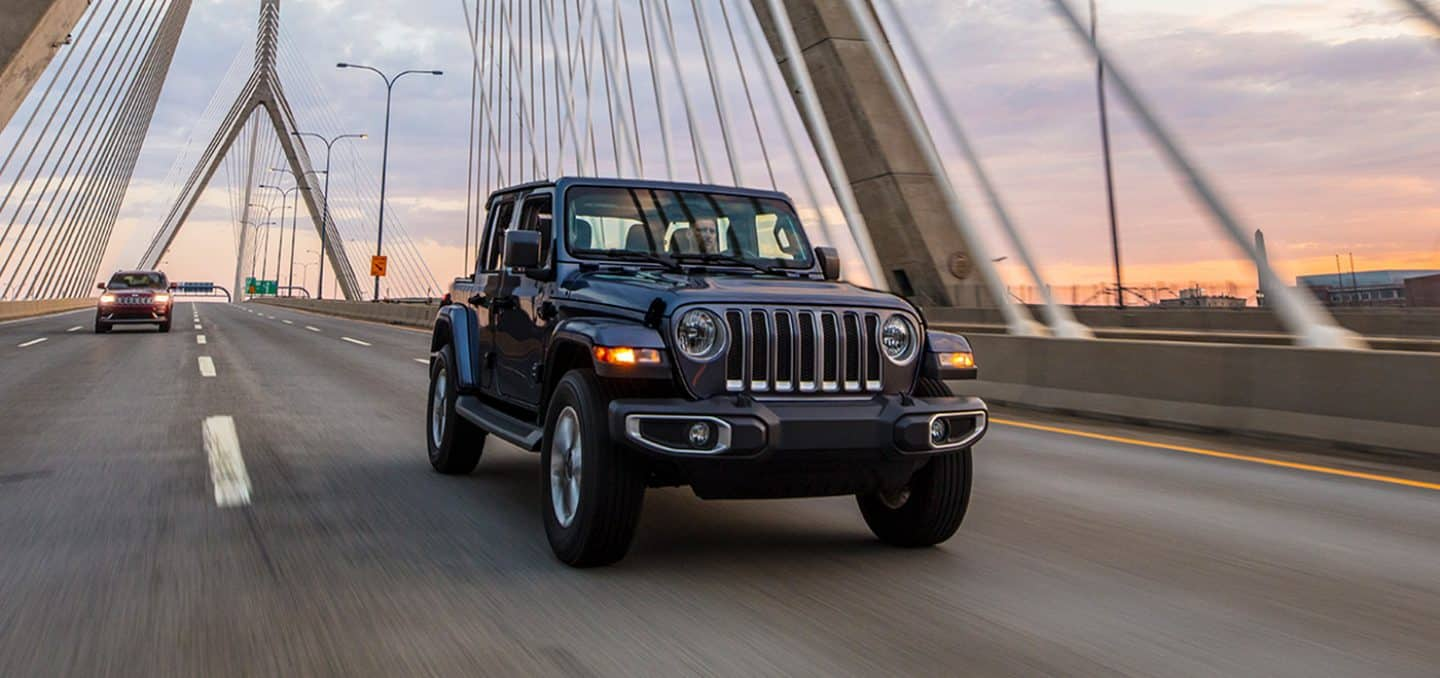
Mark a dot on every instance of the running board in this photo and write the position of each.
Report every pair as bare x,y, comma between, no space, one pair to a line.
524,434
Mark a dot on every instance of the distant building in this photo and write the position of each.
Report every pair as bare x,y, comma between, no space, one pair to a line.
1423,291
1195,297
1361,288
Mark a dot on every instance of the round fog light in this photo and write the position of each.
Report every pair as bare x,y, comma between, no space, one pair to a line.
939,431
700,435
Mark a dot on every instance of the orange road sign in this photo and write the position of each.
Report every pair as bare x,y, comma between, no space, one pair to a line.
377,267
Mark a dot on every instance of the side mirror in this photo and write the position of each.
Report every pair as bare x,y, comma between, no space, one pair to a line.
99,286
522,249
829,262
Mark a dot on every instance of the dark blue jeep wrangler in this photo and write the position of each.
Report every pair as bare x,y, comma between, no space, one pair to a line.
659,334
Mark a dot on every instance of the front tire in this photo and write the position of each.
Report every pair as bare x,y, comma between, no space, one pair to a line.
930,508
101,327
592,490
165,326
455,444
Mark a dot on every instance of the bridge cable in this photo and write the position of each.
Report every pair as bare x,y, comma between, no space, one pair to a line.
1302,315
659,97
737,178
1060,319
771,87
667,33
98,176
825,145
65,121
90,103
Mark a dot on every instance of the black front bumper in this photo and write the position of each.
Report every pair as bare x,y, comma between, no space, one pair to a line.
139,314
883,427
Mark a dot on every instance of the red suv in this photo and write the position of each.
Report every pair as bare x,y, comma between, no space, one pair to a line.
134,298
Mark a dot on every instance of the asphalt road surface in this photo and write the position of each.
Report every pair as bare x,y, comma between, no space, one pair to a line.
339,552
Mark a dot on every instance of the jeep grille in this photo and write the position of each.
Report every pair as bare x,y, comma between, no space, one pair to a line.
788,350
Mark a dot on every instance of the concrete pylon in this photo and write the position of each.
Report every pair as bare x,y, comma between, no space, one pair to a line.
31,33
919,245
263,92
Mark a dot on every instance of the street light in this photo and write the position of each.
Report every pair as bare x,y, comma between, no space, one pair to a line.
1105,147
385,151
280,245
294,218
255,253
269,210
325,208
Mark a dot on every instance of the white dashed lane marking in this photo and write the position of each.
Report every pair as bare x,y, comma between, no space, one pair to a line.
312,329
42,340
287,322
355,341
197,326
76,328
423,361
207,366
227,466
200,339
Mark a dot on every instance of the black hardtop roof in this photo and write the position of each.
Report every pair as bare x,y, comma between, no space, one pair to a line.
563,183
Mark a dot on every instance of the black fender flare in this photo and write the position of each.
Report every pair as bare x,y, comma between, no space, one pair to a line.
938,342
589,333
455,325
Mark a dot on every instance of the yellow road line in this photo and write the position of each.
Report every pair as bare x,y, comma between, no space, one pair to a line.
1222,455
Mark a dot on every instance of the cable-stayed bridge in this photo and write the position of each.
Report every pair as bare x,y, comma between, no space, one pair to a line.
247,493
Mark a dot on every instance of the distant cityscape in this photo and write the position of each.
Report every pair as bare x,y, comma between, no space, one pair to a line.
1384,288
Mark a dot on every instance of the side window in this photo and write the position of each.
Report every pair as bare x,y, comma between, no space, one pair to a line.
500,215
538,215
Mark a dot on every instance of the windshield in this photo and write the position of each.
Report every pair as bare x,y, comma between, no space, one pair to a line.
138,281
620,222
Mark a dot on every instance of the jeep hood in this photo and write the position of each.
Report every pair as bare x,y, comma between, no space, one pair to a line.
637,289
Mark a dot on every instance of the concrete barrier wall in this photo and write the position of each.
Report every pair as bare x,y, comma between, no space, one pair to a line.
1372,399
410,315
1372,322
1368,399
11,310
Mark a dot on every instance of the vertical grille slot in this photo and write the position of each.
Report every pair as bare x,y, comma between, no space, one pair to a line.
735,361
830,352
809,353
872,352
784,352
854,372
761,351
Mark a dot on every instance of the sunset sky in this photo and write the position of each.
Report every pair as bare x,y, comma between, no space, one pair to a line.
1319,121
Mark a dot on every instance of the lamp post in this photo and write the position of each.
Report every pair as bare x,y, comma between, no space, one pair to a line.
325,208
280,244
268,211
294,219
385,150
1109,168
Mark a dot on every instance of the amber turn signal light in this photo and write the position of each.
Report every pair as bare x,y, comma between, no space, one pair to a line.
625,355
959,361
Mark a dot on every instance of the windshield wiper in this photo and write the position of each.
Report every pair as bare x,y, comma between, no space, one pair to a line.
628,255
730,259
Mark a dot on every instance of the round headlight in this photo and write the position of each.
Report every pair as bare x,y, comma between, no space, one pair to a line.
897,339
700,334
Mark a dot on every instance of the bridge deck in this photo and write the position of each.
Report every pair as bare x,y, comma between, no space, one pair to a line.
1080,556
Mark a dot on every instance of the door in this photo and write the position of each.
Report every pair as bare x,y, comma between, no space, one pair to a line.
477,295
519,310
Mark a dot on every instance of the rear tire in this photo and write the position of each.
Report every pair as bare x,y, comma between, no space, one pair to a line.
930,508
454,444
592,490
